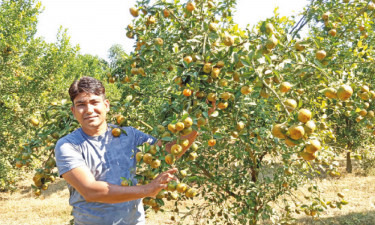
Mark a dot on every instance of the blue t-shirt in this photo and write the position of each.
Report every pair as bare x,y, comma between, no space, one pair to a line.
109,158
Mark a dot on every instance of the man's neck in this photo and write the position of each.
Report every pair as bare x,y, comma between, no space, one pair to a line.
96,131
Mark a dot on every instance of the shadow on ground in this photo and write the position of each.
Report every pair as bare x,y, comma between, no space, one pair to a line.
357,218
54,187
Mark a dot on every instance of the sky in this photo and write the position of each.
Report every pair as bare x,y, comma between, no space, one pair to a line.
96,25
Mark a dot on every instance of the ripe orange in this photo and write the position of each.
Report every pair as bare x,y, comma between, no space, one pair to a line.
207,67
330,93
116,132
245,90
279,131
166,13
155,163
304,115
147,158
187,92
139,156
188,122
285,87
332,32
290,104
134,12
181,187
176,149
222,105
240,125
344,92
34,121
180,126
211,142
215,72
188,59
170,159
191,192
320,55
190,6
313,146
296,132
309,127
172,127
228,40
326,15
225,96
211,97
120,119
307,156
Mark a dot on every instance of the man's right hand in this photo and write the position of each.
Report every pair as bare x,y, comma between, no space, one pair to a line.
161,182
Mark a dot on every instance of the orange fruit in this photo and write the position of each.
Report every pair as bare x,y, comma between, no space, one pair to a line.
304,115
313,146
296,132
116,132
344,92
279,131
187,92
211,142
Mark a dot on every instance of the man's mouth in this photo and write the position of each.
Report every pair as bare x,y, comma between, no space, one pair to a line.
90,117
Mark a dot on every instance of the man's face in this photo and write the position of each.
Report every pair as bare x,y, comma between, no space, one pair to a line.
90,110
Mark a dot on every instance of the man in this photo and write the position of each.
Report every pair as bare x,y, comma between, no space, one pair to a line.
92,161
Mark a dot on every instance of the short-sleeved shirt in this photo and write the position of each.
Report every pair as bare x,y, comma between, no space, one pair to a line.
109,158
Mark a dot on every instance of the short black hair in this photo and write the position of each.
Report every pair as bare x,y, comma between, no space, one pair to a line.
86,85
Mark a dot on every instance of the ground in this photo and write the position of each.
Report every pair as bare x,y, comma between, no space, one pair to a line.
22,207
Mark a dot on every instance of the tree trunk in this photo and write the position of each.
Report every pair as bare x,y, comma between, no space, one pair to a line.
349,168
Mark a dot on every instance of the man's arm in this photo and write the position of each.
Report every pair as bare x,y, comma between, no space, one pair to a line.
84,182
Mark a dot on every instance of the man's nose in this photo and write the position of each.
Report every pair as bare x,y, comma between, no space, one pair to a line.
90,108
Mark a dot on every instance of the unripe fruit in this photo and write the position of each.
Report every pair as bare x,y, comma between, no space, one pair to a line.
269,28
228,40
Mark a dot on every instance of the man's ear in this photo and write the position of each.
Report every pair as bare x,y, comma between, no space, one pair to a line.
72,109
107,104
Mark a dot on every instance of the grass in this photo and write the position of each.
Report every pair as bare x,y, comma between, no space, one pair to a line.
52,207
